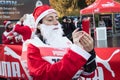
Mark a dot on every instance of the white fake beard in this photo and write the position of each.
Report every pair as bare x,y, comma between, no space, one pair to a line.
53,37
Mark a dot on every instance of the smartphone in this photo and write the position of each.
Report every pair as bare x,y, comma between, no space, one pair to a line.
86,25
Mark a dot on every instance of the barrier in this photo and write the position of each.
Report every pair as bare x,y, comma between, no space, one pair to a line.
101,33
12,67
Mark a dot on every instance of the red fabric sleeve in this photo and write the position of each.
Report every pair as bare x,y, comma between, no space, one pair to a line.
5,40
25,31
64,69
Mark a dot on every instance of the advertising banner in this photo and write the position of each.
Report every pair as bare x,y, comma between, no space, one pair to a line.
11,66
15,9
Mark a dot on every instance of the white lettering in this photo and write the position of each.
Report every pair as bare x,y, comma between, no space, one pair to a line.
108,4
10,12
5,66
4,16
8,2
99,75
15,69
9,69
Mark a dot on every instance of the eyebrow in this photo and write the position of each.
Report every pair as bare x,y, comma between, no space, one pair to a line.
51,16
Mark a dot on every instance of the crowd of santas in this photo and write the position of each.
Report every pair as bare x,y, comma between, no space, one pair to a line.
17,33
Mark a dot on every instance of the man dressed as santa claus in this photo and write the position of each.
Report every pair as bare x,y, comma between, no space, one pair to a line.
50,56
9,37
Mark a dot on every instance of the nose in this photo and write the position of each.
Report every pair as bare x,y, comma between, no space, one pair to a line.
55,22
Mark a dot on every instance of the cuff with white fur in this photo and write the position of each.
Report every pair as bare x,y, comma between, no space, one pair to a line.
80,51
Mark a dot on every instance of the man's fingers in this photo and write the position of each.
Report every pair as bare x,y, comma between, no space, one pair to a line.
88,36
76,30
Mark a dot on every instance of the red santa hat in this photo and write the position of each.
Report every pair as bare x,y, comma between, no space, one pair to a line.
42,11
6,23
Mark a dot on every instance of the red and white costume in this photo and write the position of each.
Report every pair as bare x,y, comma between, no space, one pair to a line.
9,37
26,28
15,40
30,22
25,31
60,60
50,63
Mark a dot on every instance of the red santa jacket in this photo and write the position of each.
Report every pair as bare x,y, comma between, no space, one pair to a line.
25,31
49,63
6,40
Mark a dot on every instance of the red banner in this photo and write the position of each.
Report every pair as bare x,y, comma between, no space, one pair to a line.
12,67
10,64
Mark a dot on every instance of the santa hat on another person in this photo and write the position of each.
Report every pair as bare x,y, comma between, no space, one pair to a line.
6,23
42,11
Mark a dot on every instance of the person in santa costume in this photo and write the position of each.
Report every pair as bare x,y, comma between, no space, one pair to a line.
52,56
10,37
23,29
26,25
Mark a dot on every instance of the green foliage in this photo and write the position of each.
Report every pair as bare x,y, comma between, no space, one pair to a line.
117,0
70,7
88,2
66,7
82,4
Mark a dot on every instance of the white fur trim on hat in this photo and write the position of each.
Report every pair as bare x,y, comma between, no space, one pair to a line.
43,15
8,22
